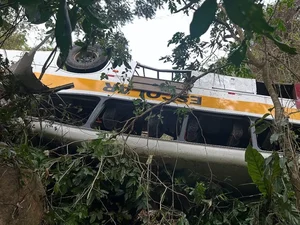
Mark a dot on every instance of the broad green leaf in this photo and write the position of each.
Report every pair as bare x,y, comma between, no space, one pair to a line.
280,25
139,191
255,163
260,120
117,62
289,212
199,192
282,46
203,18
127,64
238,55
83,3
90,198
248,15
56,188
272,171
92,16
261,127
265,116
29,2
93,218
86,26
276,169
73,16
38,13
80,43
63,31
183,221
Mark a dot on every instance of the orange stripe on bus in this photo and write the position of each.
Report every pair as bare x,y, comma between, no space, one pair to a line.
206,101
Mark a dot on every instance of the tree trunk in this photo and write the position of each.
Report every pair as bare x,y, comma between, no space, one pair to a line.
285,139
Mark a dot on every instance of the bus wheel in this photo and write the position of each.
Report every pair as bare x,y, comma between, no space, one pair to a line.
86,61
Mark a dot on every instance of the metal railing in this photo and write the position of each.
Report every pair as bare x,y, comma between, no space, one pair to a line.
181,73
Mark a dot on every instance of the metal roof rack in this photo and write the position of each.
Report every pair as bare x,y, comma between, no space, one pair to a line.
187,73
155,82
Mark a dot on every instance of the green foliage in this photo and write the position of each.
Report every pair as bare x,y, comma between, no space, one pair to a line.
98,20
17,41
242,70
63,30
38,13
235,26
140,106
238,55
203,17
282,46
182,52
255,162
199,193
270,176
265,173
101,183
168,88
248,15
98,184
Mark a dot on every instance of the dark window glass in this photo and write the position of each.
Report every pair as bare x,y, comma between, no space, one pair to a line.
69,109
160,123
265,130
218,129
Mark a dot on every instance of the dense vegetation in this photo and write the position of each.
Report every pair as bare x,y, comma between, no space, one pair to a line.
100,182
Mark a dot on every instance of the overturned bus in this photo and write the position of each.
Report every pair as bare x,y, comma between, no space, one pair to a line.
207,130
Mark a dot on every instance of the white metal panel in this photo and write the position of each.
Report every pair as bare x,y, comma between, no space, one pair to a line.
212,85
12,55
41,57
222,162
148,146
223,82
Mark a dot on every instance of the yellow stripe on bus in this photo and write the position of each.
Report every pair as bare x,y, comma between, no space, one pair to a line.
192,99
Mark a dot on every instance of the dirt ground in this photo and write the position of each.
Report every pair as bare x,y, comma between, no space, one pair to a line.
21,196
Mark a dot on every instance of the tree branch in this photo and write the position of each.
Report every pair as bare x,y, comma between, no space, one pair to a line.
186,6
46,64
187,85
285,66
236,38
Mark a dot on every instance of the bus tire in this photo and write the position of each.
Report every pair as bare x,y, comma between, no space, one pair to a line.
88,61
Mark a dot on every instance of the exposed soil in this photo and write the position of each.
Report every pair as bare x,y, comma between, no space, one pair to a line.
21,196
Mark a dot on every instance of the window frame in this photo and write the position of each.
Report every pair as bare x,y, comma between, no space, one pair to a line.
86,124
217,114
102,105
255,138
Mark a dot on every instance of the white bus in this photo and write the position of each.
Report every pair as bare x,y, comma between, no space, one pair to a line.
210,138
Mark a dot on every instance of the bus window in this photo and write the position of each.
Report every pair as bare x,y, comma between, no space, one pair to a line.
164,123
264,135
114,115
68,108
218,129
160,123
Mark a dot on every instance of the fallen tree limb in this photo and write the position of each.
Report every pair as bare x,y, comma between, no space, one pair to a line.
22,70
